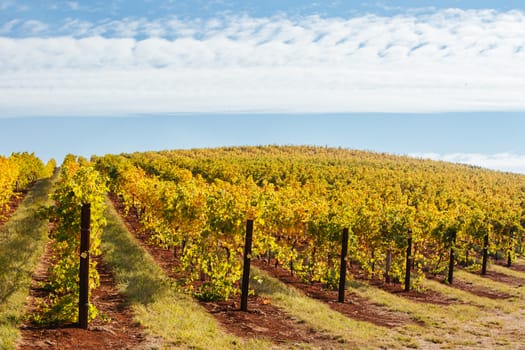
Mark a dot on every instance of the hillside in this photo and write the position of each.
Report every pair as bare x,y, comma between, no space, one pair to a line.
434,252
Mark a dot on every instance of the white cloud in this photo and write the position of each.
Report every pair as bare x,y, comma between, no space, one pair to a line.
501,161
450,60
34,27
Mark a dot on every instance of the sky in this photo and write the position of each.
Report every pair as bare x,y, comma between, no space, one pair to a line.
443,81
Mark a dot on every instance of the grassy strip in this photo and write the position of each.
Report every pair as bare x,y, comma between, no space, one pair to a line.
171,318
319,316
515,292
24,237
508,271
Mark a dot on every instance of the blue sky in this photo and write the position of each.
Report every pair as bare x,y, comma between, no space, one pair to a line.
53,12
444,80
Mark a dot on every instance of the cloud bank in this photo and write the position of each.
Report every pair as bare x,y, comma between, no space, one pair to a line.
447,60
501,161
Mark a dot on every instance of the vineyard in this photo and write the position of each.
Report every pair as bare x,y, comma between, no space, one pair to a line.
301,198
418,247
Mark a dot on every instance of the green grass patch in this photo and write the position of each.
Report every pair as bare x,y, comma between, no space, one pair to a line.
171,318
23,241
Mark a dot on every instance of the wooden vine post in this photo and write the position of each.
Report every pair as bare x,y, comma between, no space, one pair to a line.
408,261
246,266
509,252
451,259
83,296
342,270
485,254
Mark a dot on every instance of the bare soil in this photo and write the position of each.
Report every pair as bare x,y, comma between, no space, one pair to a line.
263,320
112,329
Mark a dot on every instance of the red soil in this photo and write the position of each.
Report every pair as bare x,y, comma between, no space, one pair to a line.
113,329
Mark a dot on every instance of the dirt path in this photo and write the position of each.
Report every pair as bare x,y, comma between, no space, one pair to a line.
263,320
112,329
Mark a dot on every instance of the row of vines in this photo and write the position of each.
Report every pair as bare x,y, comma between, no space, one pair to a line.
18,172
196,202
79,183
